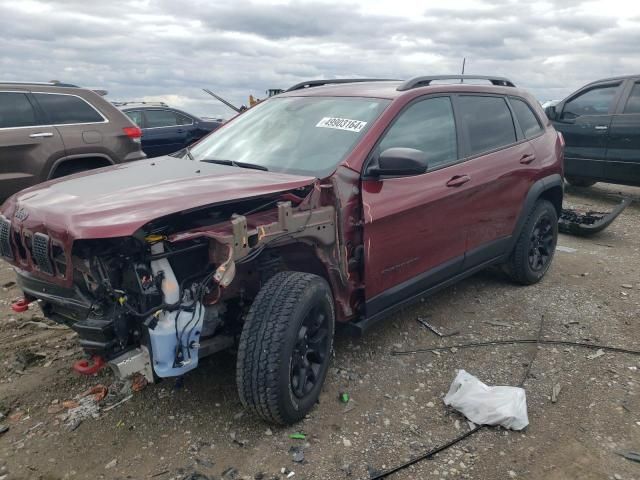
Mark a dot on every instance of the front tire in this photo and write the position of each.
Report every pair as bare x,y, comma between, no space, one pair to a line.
285,347
536,245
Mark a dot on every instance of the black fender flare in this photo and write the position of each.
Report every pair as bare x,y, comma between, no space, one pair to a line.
535,192
78,156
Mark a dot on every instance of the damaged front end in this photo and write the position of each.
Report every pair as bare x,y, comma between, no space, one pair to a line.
175,291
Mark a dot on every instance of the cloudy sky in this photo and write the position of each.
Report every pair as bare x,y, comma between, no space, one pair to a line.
168,49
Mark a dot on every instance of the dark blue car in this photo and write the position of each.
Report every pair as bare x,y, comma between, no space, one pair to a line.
165,129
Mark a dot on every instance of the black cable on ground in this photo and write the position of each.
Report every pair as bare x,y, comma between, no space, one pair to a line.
459,438
493,343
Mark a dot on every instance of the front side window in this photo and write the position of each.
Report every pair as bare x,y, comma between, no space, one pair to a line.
526,118
300,135
67,109
633,104
16,110
488,122
427,125
161,118
183,119
596,101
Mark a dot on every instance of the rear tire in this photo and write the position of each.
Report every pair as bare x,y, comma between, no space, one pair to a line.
580,181
534,249
285,347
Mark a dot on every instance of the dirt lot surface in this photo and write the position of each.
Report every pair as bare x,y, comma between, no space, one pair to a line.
196,429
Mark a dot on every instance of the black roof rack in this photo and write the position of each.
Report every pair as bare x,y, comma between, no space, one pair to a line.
426,81
53,83
136,102
319,83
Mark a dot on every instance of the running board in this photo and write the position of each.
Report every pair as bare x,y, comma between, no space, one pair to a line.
586,224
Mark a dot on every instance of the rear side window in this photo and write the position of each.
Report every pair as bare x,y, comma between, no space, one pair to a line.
428,126
488,122
162,118
633,104
596,101
526,118
16,110
135,116
67,109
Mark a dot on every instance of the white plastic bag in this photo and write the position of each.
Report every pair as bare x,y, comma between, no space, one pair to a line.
484,405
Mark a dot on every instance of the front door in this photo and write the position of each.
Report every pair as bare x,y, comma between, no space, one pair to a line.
25,147
584,122
623,149
414,234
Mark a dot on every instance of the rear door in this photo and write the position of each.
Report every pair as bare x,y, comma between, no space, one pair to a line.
584,120
498,158
414,232
164,132
623,149
78,122
26,143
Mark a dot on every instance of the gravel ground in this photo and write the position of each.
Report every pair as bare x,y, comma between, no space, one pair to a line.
181,430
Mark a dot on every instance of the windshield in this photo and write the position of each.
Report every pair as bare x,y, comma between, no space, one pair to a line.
300,135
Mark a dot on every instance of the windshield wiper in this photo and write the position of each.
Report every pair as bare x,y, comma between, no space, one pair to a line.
232,163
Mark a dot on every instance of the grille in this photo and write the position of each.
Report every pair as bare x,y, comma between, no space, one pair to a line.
40,252
5,238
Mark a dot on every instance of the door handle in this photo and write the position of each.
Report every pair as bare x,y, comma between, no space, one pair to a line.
527,158
180,130
601,127
458,180
41,135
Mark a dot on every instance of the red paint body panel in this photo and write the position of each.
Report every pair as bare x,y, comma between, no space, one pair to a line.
117,201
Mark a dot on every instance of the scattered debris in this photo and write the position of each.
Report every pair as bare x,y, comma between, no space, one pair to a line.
599,353
99,392
25,358
230,474
626,285
562,248
111,464
111,407
4,429
9,284
344,397
297,454
629,455
484,405
555,391
297,436
346,442
139,382
498,324
583,224
435,330
42,325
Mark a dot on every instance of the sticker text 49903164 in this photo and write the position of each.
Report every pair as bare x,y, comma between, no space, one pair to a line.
341,124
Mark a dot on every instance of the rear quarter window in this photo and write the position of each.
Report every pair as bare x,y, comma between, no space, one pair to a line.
487,121
526,118
67,109
16,110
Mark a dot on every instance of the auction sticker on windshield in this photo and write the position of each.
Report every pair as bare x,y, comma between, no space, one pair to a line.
341,124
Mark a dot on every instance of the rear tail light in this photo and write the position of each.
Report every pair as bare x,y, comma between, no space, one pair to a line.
134,133
561,137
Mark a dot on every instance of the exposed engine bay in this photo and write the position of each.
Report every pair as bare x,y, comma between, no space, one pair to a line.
176,291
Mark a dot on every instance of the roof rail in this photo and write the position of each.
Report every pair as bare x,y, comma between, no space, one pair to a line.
133,102
426,81
53,83
319,83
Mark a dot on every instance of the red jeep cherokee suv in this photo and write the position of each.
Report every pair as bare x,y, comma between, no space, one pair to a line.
336,201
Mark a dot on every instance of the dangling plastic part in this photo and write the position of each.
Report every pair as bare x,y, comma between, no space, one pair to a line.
85,368
21,305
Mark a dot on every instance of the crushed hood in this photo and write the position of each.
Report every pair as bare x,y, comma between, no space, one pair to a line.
116,201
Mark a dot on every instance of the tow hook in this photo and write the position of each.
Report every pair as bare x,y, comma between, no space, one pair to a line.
21,305
84,367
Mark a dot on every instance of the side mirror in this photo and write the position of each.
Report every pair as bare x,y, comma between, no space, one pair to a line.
551,112
399,162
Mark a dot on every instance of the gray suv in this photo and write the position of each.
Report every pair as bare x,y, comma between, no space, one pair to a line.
49,130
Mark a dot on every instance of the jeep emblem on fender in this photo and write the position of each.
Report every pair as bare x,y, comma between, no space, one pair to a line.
21,214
